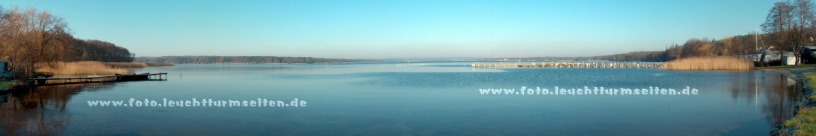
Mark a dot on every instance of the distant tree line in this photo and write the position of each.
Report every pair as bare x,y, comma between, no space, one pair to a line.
96,50
30,39
236,60
788,27
730,46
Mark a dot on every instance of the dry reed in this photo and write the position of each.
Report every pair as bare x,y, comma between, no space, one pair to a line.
159,64
80,68
125,64
709,63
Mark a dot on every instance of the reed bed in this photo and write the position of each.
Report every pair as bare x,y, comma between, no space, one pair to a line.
710,63
159,64
125,64
80,68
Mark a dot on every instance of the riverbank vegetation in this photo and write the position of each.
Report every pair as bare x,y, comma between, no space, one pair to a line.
788,66
236,60
6,84
135,64
159,64
125,64
709,63
32,40
804,123
80,68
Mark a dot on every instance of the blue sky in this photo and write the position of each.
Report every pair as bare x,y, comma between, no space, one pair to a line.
402,28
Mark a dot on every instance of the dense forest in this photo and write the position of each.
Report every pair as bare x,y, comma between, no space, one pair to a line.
236,60
96,50
31,39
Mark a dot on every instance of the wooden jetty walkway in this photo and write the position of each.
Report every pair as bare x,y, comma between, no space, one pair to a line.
571,65
92,79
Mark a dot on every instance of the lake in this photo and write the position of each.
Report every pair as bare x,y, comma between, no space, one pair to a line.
434,98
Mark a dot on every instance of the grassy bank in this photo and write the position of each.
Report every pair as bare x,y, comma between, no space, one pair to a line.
709,63
6,84
804,123
82,68
788,66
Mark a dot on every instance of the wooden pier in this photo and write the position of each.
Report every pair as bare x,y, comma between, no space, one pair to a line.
92,79
571,65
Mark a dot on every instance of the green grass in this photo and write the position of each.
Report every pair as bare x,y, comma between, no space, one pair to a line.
811,78
805,122
5,84
787,66
805,119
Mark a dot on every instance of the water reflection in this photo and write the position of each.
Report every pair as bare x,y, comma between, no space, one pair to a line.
776,94
45,110
41,110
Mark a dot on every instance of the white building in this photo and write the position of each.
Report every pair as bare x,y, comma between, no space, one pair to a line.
789,59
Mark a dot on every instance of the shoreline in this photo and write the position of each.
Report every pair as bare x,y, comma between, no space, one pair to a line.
82,69
798,74
795,76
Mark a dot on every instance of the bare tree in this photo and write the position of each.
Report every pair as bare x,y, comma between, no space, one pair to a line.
804,17
778,24
31,39
790,25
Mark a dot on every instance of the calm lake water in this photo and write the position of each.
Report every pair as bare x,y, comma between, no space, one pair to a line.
407,99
